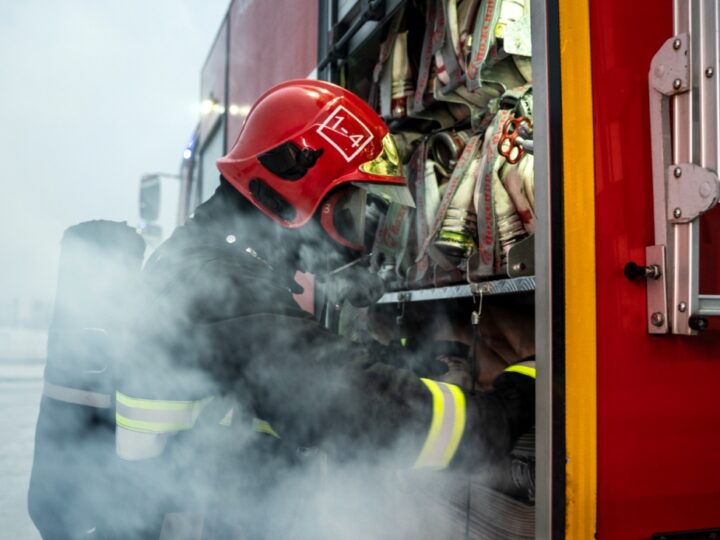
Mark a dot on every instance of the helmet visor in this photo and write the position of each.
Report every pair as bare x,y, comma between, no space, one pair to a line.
387,163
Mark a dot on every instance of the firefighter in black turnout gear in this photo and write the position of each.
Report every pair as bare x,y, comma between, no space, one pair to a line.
225,377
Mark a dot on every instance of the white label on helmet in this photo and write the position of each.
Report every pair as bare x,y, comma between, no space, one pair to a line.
345,132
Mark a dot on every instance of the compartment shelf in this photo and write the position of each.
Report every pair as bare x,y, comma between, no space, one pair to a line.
486,288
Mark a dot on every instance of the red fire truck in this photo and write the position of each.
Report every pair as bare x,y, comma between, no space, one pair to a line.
621,266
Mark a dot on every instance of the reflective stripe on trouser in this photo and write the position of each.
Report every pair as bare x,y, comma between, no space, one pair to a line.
446,428
259,426
526,368
75,396
143,425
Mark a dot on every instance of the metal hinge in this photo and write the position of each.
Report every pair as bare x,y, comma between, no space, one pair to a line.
691,191
683,190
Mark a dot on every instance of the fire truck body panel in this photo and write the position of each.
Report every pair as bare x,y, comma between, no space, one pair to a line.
657,441
213,83
270,42
259,44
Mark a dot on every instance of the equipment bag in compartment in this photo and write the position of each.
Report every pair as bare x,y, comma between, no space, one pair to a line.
469,163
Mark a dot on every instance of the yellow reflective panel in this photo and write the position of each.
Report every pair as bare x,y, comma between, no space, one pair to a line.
523,370
387,163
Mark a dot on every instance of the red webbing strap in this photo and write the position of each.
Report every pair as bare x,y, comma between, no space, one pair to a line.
425,57
416,179
391,239
458,173
446,46
484,198
483,39
466,21
385,51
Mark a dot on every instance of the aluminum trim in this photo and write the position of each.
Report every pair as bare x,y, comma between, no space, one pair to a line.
668,65
709,305
543,274
682,145
486,288
707,88
657,292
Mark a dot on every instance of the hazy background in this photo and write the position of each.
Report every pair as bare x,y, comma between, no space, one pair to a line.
93,94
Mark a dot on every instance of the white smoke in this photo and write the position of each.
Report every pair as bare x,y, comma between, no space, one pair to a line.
93,95
332,480
81,107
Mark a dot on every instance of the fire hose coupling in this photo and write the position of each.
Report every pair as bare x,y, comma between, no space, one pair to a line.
516,139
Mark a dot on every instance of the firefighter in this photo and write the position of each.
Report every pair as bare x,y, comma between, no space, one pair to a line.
225,377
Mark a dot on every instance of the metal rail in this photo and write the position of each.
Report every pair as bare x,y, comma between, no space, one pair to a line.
373,10
485,288
685,151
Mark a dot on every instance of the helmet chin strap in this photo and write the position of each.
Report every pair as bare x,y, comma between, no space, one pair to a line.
354,282
340,269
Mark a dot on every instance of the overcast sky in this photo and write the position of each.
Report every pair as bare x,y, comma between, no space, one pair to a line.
92,95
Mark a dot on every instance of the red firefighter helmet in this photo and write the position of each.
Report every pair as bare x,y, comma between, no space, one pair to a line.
305,138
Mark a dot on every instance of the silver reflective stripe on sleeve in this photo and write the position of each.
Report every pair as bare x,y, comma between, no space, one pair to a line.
143,425
447,425
75,396
133,445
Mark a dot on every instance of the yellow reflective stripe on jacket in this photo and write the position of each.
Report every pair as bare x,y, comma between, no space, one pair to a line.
155,404
261,426
227,420
155,415
523,370
446,427
150,427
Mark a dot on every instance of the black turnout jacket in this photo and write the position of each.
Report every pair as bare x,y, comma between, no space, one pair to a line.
218,320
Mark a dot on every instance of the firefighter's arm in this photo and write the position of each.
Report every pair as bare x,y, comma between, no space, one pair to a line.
498,417
319,390
468,429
